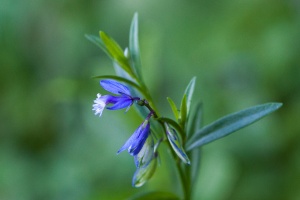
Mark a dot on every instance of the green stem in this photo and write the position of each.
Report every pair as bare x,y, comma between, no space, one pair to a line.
148,97
183,177
182,170
144,102
188,181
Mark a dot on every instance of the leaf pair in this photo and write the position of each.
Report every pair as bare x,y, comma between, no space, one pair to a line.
182,115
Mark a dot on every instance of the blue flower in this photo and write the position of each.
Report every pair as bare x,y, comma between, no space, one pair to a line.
137,140
123,100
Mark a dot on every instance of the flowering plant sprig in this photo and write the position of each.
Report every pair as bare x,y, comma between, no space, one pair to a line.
183,134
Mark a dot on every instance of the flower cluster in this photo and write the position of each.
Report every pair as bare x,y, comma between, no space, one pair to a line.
141,144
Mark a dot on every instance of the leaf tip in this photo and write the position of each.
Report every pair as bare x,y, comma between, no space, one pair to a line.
275,106
102,34
279,104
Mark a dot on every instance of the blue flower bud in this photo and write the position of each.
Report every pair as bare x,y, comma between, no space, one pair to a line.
143,174
137,140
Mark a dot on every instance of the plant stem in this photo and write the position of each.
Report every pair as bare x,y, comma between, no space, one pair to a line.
182,170
183,177
144,102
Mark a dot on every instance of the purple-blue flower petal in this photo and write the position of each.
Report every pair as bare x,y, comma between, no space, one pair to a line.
135,143
109,99
121,102
114,87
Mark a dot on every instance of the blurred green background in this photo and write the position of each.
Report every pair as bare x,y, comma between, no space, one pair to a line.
243,53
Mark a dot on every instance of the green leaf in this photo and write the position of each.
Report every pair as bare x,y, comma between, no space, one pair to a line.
230,124
134,49
195,155
173,107
189,93
155,195
196,120
183,111
112,46
116,52
96,40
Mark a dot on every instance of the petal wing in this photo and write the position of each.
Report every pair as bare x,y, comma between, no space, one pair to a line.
114,87
136,141
142,134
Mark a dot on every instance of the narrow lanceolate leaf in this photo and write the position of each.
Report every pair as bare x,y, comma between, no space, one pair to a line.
96,40
155,195
176,144
183,111
189,93
134,50
196,120
112,46
230,124
173,107
115,52
195,155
